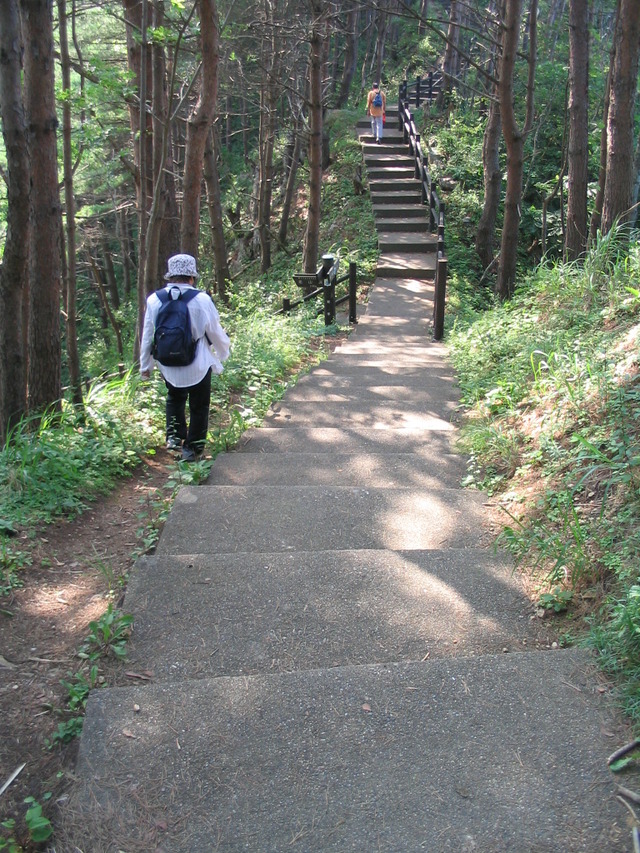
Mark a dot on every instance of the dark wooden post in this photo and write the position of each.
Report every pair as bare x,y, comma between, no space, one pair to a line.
416,157
286,305
430,87
439,298
352,292
328,289
417,91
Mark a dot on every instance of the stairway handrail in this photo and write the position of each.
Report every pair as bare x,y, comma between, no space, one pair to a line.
411,136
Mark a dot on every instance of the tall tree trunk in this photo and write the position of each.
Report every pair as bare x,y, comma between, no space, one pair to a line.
73,358
576,237
624,84
450,61
485,235
14,268
198,128
212,182
350,56
43,374
311,241
291,183
514,137
424,9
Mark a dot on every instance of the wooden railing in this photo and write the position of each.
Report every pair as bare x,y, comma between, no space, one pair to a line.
416,93
323,283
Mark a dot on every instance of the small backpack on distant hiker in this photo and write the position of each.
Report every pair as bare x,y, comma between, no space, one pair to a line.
173,342
377,100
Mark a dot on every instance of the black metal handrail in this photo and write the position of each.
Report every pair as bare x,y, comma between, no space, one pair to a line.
414,93
323,283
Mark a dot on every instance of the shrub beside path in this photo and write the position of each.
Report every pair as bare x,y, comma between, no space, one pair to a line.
339,660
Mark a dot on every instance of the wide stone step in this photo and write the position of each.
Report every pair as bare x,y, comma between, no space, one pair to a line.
373,150
377,173
380,471
242,614
406,241
228,519
410,195
381,160
494,754
394,185
417,225
418,266
348,440
362,412
415,210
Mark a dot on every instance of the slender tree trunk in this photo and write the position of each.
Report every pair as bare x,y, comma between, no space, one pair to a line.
576,237
350,57
43,374
198,128
514,138
485,235
73,358
311,242
291,183
212,182
624,83
450,61
115,325
14,268
424,9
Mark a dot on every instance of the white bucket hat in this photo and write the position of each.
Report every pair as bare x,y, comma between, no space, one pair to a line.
180,266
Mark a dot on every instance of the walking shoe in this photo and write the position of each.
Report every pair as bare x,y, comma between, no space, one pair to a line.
173,443
188,455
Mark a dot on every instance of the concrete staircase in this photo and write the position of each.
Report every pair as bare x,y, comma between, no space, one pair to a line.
328,655
407,247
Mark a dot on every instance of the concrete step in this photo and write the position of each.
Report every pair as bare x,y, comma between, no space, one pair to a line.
232,519
378,173
413,266
422,443
415,226
291,611
374,150
406,241
383,161
393,184
453,754
399,210
381,471
410,195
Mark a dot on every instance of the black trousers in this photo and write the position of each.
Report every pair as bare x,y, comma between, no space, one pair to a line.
199,397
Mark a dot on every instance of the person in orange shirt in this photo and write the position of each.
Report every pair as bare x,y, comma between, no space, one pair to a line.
376,108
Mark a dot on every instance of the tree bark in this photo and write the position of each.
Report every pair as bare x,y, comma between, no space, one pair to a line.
311,241
212,182
14,267
514,138
624,82
73,358
485,235
198,128
350,56
576,237
43,373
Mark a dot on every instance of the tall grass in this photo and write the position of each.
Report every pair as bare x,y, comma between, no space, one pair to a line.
552,384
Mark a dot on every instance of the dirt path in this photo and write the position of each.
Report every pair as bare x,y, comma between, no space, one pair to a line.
78,568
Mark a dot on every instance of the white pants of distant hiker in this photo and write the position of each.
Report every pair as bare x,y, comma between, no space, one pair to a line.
376,127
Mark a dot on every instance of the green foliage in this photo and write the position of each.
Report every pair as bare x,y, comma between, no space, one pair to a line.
550,379
108,635
39,826
54,465
557,599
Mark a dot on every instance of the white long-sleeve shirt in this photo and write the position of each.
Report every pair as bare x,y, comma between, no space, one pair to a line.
205,320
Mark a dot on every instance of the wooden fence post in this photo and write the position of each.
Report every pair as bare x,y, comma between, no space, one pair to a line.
439,298
352,292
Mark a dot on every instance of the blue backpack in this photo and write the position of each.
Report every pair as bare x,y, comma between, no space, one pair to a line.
173,342
377,100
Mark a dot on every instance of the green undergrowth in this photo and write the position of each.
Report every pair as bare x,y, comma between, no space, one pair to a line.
551,380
